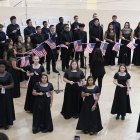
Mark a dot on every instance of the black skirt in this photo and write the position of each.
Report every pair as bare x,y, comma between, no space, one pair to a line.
89,120
121,102
42,119
72,101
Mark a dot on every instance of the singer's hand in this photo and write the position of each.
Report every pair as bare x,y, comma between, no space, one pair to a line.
71,82
67,43
14,31
40,93
123,38
87,94
120,85
93,108
97,39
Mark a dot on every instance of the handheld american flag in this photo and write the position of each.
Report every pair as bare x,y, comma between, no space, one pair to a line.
78,46
62,46
39,51
51,43
131,45
116,47
103,47
24,61
90,47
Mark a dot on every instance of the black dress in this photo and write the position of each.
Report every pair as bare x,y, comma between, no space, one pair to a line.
90,120
7,112
109,58
138,127
33,79
136,54
125,52
72,96
121,102
42,119
16,77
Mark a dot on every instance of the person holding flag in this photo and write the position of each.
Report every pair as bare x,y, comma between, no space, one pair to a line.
51,49
81,35
66,39
125,52
110,37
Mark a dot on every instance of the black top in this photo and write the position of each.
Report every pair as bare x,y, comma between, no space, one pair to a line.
6,80
95,90
12,27
29,30
97,68
91,23
2,37
38,39
45,30
74,26
117,29
74,76
122,79
137,33
59,28
126,33
95,32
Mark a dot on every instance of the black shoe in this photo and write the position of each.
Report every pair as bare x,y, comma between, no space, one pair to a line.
117,117
36,131
6,127
48,72
122,118
85,132
55,71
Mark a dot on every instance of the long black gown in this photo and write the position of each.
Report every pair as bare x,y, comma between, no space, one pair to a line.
7,112
121,102
42,119
72,96
136,53
125,52
16,77
138,127
35,78
90,121
109,58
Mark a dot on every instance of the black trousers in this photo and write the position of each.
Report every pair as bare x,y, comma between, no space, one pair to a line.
81,55
65,56
100,79
51,57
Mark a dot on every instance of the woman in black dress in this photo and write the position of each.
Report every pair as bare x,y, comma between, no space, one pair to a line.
13,68
110,37
126,36
72,96
136,54
97,67
121,102
7,112
138,127
34,72
90,119
43,92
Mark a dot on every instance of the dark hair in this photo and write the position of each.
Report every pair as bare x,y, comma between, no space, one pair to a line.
28,20
12,17
38,27
70,67
114,16
108,30
88,79
97,55
7,43
75,16
3,136
51,26
44,74
137,28
60,18
10,53
65,25
95,19
127,23
123,66
82,25
26,37
44,22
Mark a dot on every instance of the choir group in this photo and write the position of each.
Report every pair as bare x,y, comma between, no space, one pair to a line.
24,60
